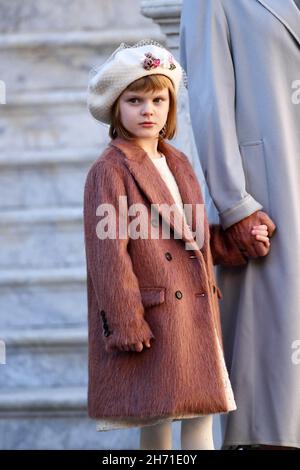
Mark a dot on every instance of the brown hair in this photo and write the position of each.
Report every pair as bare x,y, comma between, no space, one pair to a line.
148,83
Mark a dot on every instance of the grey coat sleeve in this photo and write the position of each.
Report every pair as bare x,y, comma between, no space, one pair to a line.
205,53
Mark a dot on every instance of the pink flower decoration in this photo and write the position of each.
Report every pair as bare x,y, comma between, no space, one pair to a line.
152,62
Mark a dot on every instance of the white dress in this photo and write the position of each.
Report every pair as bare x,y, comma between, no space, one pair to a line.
113,423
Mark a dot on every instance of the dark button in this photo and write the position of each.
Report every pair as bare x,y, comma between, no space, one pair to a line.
178,294
106,331
168,256
103,317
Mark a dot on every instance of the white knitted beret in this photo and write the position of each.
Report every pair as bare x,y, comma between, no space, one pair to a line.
124,66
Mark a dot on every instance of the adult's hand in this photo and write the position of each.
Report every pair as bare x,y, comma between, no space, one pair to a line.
242,236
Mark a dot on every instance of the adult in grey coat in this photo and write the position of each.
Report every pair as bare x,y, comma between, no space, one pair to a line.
243,64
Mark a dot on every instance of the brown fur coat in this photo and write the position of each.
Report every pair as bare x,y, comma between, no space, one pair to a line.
152,288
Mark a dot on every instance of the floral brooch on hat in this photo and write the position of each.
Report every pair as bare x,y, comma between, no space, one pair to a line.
152,62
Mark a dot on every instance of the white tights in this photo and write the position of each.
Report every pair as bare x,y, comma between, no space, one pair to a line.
196,434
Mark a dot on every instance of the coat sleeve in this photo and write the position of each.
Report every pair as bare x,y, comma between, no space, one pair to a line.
223,249
205,53
109,264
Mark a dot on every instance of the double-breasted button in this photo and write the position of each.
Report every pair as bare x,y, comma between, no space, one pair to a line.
168,256
178,294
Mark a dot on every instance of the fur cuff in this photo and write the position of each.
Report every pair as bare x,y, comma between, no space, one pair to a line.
223,248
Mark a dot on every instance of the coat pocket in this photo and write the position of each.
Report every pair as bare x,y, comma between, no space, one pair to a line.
255,169
152,296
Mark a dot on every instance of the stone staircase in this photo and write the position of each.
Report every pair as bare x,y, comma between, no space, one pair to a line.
47,143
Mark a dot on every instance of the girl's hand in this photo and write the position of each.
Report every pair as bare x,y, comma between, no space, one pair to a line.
260,232
137,347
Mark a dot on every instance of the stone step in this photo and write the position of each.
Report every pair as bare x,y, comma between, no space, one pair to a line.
49,357
60,17
50,61
39,298
54,418
48,120
45,399
42,238
52,178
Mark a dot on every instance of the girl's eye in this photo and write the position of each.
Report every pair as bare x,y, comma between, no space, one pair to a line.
137,100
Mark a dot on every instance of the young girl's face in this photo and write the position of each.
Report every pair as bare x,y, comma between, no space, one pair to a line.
144,114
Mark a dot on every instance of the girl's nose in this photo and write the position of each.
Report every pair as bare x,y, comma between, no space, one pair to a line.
147,109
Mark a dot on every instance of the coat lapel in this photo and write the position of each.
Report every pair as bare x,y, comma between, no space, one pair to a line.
287,12
152,185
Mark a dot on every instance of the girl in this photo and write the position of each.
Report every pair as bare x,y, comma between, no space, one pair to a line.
155,348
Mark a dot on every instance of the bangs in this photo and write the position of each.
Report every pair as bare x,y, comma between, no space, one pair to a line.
151,83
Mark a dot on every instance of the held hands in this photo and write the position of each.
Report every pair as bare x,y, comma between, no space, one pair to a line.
260,232
252,234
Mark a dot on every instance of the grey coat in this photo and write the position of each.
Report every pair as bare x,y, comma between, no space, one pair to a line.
243,63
